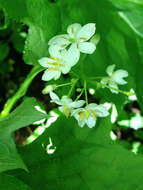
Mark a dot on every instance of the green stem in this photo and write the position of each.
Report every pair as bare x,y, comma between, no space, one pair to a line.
72,87
118,90
81,65
85,90
92,78
21,91
79,94
61,85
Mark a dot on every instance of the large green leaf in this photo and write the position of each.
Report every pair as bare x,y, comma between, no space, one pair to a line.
8,182
44,22
14,9
23,115
131,12
84,159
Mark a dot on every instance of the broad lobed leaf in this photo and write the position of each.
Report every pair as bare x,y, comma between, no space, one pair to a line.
22,116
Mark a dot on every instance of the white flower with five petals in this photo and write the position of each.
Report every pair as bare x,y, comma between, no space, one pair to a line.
114,78
78,36
58,62
89,114
66,104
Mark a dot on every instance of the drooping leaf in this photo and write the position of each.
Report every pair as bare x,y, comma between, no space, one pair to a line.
22,116
11,183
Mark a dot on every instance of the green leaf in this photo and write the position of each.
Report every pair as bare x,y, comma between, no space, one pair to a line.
84,159
22,116
131,12
4,50
41,29
14,9
8,182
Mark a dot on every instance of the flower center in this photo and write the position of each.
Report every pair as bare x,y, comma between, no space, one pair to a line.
66,110
55,65
91,113
81,116
72,40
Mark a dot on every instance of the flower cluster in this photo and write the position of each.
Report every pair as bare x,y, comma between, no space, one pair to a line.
64,51
87,115
62,58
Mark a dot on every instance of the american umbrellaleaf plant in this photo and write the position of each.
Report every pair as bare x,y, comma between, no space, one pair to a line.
64,53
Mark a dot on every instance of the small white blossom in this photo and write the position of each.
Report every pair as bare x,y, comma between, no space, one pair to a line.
114,78
66,104
89,114
78,36
59,62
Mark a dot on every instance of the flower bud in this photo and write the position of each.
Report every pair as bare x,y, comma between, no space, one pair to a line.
95,39
48,89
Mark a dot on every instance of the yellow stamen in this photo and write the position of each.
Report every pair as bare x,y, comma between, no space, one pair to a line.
63,45
91,112
66,111
58,59
64,37
49,63
52,57
81,116
51,68
56,69
83,38
60,64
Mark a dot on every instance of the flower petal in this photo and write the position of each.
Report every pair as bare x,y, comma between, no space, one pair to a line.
45,62
61,40
76,111
57,75
101,111
48,75
81,123
57,102
73,55
65,68
86,32
77,104
110,69
105,80
112,84
73,29
86,47
54,51
66,100
53,96
90,122
91,106
119,75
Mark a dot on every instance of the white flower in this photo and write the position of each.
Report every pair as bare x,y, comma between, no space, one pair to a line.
59,62
77,36
66,104
115,78
89,114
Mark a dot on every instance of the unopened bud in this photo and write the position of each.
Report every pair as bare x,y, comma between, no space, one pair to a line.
78,89
95,39
48,89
